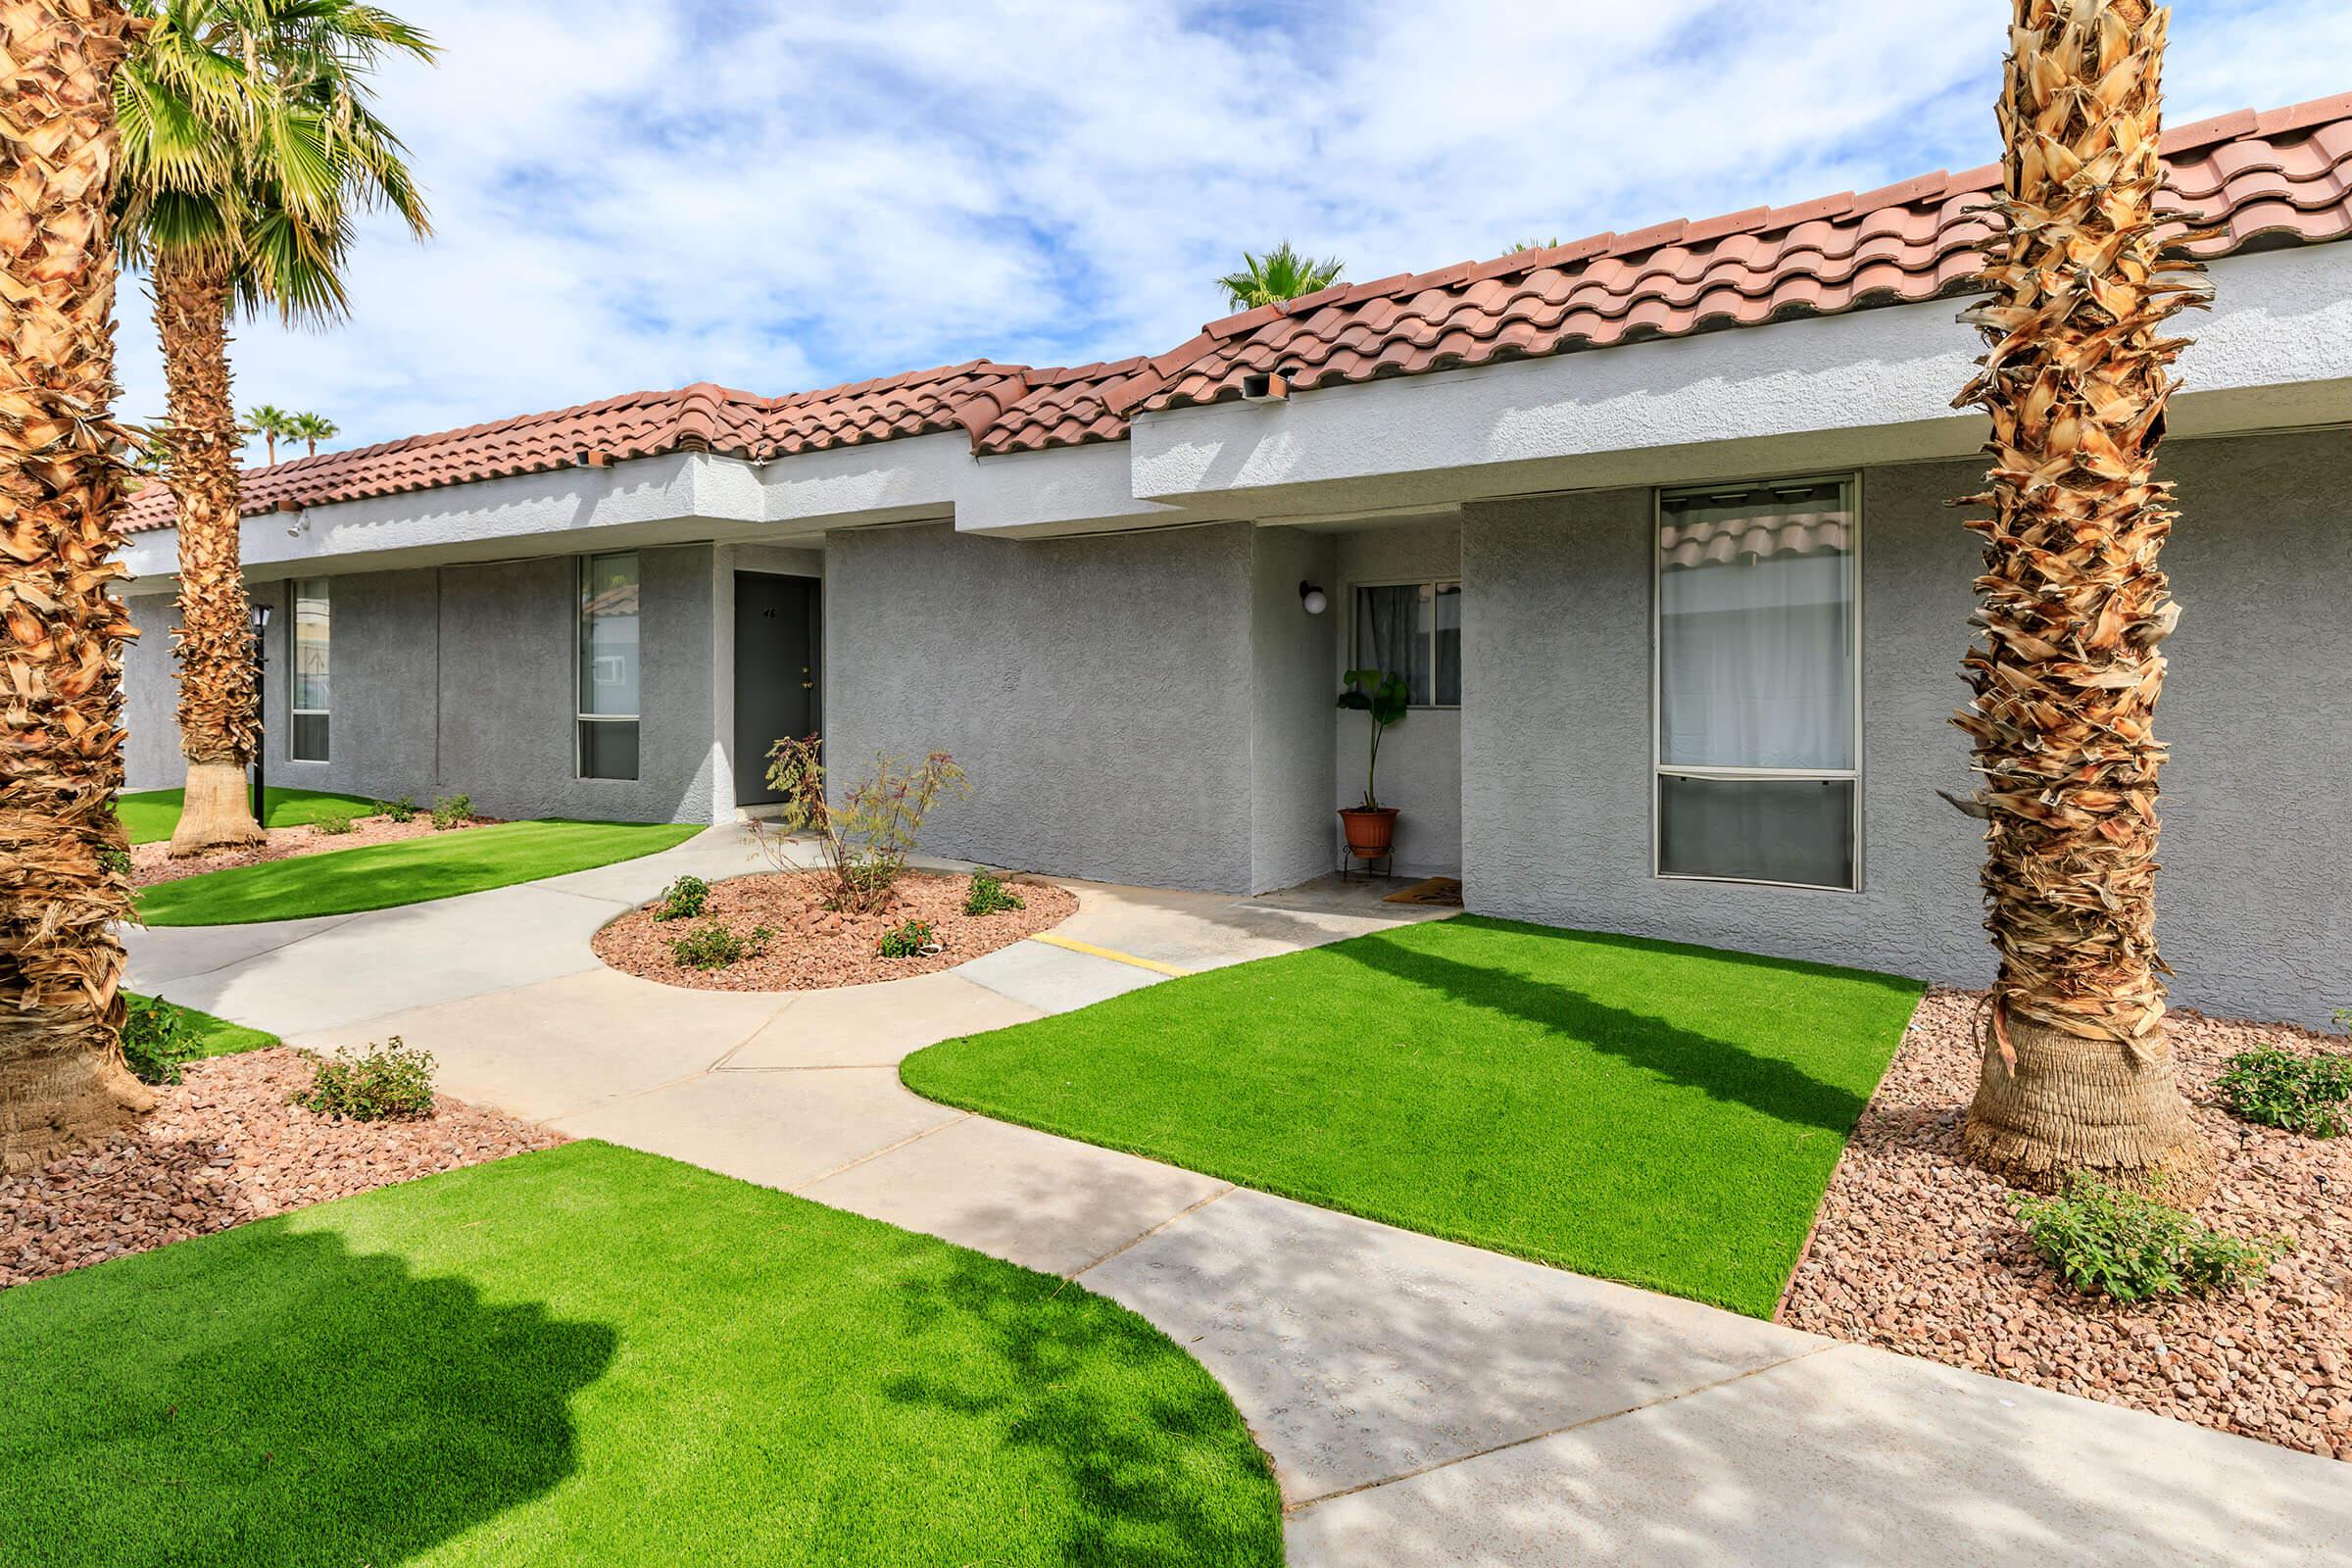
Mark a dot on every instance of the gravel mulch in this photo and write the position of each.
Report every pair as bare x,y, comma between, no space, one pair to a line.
153,862
813,947
223,1147
1916,1251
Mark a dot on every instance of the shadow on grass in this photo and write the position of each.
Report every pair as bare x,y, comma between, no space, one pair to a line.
1723,1070
1139,1468
267,1397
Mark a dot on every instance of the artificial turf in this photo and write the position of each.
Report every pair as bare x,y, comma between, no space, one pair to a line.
382,876
593,1355
150,815
214,1037
1661,1114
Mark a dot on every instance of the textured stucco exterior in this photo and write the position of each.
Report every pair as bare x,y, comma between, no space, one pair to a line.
1293,836
1421,759
2256,903
460,679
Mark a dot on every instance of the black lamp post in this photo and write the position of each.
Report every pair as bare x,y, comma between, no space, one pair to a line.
261,713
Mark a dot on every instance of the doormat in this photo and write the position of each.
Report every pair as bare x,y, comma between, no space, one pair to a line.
1445,892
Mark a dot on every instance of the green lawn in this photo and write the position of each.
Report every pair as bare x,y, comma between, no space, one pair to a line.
1661,1114
150,815
217,1037
592,1355
380,876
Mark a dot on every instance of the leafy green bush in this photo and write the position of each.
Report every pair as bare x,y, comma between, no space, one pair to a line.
2118,1243
157,1042
714,947
451,810
907,941
117,861
683,899
403,809
2308,1094
336,820
378,1084
989,895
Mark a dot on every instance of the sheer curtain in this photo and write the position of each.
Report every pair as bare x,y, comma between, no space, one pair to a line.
1390,635
1756,674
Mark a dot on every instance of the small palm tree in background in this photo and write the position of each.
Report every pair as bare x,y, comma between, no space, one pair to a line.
1282,273
310,429
63,877
248,147
1519,245
271,422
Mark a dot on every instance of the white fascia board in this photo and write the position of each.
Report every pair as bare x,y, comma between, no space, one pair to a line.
1875,384
878,482
1064,490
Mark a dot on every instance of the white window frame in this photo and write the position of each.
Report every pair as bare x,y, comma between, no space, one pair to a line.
294,598
579,698
1355,615
1660,770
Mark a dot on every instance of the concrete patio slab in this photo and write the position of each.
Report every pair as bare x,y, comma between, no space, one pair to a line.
1055,979
875,1025
1855,1455
779,1129
569,1045
391,961
1359,1353
712,855
1040,1202
164,953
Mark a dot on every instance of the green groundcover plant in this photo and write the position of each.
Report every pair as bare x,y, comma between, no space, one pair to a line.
2108,1241
988,895
2308,1094
389,1082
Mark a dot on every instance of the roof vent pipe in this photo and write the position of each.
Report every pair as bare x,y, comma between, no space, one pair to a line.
1266,386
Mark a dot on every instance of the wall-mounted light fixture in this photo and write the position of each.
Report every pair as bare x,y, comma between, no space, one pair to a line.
1313,599
1266,386
296,515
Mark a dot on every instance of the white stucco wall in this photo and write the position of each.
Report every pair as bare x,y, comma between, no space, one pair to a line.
1421,759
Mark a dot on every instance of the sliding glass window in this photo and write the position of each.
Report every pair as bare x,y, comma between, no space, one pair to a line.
608,668
307,659
1759,697
1413,629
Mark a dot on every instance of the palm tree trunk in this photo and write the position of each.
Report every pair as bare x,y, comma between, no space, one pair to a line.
2078,1073
61,660
217,726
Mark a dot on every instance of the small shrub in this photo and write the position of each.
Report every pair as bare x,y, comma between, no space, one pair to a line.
907,941
2343,1019
378,1084
2307,1094
336,822
452,810
683,899
157,1042
2118,1243
865,824
990,896
403,809
714,947
117,861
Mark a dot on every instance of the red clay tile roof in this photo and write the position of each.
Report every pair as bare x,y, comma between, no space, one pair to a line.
2275,178
2280,177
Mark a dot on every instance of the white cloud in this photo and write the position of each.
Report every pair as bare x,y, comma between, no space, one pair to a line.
641,194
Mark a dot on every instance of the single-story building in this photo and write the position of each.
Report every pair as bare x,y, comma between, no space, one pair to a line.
1657,526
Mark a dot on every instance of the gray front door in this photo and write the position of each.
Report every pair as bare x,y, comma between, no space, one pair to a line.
775,673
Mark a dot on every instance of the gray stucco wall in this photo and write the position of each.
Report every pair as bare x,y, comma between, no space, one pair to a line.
460,679
2256,900
1291,712
1098,690
1421,759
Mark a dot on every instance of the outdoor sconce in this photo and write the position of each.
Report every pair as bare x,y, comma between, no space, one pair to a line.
1313,599
261,619
298,517
1266,386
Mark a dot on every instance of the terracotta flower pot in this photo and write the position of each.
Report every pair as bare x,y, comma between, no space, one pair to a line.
1369,830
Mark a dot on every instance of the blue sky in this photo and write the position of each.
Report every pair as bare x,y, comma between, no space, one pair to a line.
636,193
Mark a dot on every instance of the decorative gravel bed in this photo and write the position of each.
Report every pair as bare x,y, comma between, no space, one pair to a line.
153,862
1917,1250
223,1147
813,947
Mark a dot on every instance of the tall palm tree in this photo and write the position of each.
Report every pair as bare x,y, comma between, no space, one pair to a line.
64,878
310,429
2077,1074
248,147
271,423
1282,273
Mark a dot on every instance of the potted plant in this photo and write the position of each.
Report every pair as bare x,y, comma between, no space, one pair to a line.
1380,696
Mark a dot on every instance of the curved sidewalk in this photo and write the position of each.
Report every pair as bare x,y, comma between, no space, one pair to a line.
1424,1402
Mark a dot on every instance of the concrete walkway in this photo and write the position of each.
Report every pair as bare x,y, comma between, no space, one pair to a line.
1424,1402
